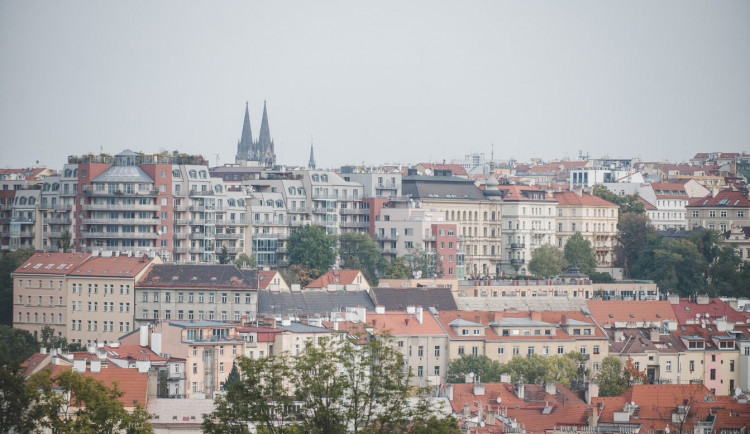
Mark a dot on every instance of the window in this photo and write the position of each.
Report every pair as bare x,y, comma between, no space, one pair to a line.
560,350
596,367
221,367
420,351
223,297
596,349
475,351
692,365
461,351
420,370
713,374
500,351
583,350
180,297
731,366
516,351
437,350
668,366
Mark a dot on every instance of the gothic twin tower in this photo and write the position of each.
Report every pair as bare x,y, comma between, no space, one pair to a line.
256,153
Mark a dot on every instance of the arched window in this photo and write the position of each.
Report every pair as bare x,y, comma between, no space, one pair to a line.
176,174
193,174
485,216
46,186
230,202
32,200
22,201
279,204
68,173
493,215
203,174
217,188
269,202
291,190
56,186
241,202
324,178
315,178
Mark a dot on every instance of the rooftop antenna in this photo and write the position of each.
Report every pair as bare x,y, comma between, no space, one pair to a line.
217,160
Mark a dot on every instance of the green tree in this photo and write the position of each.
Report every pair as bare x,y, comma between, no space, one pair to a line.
359,252
223,256
299,274
65,244
262,396
16,345
611,380
548,261
629,204
675,266
340,386
233,377
557,369
73,403
486,369
15,399
49,340
397,268
424,264
310,247
8,264
578,251
635,232
245,261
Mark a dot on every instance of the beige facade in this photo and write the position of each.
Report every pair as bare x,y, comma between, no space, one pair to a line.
101,298
40,295
594,218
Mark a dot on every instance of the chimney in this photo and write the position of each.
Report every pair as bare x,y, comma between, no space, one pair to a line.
505,378
156,342
295,287
467,410
478,389
271,322
619,334
79,366
563,319
497,316
335,325
536,316
96,366
654,335
594,419
449,392
673,299
411,310
144,336
43,350
490,416
406,322
420,313
379,309
521,390
592,391
550,387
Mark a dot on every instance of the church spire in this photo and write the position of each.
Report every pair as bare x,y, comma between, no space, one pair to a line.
311,163
264,140
245,144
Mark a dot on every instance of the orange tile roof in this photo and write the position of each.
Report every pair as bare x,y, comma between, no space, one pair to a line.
519,193
266,277
396,324
134,352
567,407
567,198
59,264
33,363
716,308
456,169
122,266
664,190
606,313
725,198
332,277
133,384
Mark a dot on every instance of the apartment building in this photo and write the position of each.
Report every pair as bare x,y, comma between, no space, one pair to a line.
528,222
720,211
101,296
593,217
381,184
25,225
40,292
476,214
401,229
503,335
196,292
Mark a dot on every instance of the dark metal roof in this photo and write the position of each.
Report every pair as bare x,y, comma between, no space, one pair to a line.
398,299
311,302
440,187
199,276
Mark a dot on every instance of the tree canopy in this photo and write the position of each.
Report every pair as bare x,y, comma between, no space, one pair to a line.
8,265
359,252
614,378
16,345
578,251
564,369
635,231
335,386
548,261
629,204
310,247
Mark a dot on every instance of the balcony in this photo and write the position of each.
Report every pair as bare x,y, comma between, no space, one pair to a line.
55,207
324,210
231,222
266,223
22,234
200,193
228,236
126,235
517,245
23,219
298,210
281,250
106,193
58,220
198,250
348,224
181,235
53,234
517,261
120,221
354,211
108,207
386,237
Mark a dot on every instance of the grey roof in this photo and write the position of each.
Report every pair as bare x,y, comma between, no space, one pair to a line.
440,187
520,322
460,322
399,298
199,323
199,276
124,174
127,153
298,327
576,322
311,302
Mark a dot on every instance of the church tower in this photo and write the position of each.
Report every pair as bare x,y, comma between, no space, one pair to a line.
311,163
260,152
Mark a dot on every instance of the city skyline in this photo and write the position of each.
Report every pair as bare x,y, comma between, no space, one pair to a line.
378,83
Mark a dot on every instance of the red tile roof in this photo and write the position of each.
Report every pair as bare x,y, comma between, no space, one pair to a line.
333,277
112,266
523,193
568,198
266,277
133,384
134,352
456,169
728,197
606,313
687,310
59,264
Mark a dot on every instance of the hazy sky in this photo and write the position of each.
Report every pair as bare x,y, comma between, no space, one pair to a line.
378,81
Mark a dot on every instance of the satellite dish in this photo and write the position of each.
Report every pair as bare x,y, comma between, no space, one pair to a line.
500,400
737,392
471,374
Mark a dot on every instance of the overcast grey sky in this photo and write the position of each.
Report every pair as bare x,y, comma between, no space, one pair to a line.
378,81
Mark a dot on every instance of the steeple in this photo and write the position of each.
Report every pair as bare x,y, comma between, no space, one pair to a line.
245,144
311,163
264,140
